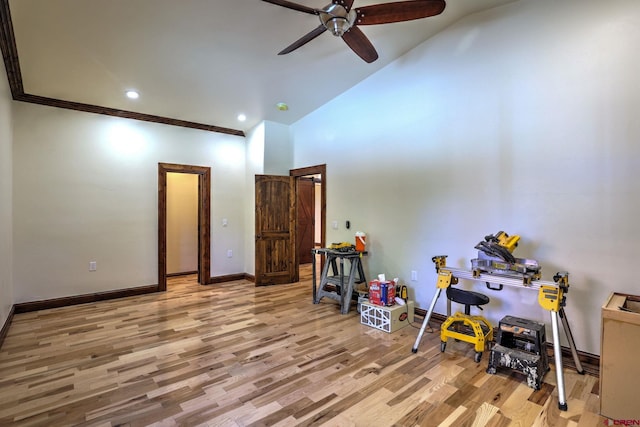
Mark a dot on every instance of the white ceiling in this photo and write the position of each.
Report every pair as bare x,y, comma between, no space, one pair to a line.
204,61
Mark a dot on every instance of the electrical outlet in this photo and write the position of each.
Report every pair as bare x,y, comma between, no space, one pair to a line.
229,253
93,266
414,275
334,225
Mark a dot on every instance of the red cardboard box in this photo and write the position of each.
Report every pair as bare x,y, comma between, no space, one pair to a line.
382,293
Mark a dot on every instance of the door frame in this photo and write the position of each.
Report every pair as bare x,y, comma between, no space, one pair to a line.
322,171
204,220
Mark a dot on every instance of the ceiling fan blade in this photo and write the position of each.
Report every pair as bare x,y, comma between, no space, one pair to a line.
303,40
294,6
345,3
360,44
399,11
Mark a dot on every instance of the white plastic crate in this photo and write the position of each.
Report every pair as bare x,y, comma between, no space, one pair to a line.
388,319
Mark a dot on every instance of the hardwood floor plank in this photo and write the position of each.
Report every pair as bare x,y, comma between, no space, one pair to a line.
285,412
371,410
484,413
452,419
315,406
415,388
232,354
541,396
424,414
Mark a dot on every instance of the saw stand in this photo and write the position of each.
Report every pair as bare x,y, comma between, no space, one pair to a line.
550,297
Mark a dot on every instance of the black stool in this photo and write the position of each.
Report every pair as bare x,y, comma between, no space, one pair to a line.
474,332
521,346
467,298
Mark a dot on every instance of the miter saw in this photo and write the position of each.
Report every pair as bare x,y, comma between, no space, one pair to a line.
495,256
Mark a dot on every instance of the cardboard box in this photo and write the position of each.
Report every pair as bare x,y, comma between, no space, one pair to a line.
619,366
388,319
382,293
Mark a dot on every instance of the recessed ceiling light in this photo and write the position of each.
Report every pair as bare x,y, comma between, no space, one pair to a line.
242,117
282,106
132,94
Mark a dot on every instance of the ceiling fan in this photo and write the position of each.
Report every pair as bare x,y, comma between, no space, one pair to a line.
342,21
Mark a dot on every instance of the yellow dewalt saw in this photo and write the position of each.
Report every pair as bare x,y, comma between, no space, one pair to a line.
495,256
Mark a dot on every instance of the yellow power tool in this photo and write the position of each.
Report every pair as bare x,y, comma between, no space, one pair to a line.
495,256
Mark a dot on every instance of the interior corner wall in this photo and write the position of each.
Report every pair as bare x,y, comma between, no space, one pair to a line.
6,199
522,118
85,188
278,152
255,166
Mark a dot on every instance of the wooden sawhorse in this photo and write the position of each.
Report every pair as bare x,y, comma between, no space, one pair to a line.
343,285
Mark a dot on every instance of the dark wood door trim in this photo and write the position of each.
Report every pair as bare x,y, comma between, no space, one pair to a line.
204,220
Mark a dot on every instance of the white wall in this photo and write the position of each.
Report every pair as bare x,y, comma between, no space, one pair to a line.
6,204
85,189
278,151
523,119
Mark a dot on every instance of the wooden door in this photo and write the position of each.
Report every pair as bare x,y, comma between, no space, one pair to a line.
305,229
276,258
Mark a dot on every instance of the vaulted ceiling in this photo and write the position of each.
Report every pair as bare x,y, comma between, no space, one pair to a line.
195,63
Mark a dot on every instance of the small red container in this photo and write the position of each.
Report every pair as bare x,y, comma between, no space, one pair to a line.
382,293
361,242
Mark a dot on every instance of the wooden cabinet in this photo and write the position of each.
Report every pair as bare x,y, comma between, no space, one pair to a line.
619,362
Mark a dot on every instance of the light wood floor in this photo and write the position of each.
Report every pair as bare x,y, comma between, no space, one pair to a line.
235,355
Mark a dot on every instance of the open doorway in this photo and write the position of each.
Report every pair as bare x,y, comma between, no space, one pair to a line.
311,213
182,224
204,220
308,216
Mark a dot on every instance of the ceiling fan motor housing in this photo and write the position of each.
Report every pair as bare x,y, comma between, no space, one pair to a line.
337,19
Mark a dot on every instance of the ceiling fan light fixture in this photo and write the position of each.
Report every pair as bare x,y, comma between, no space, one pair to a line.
338,26
337,20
